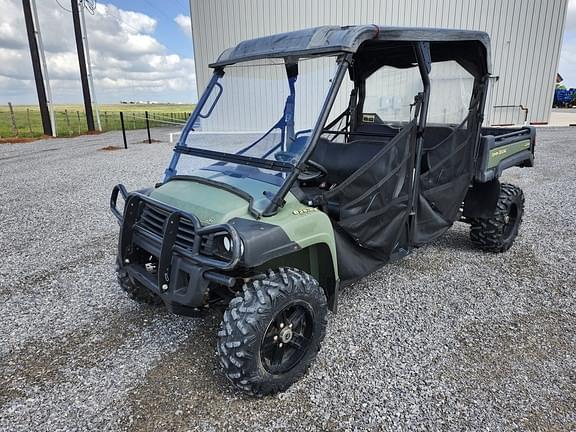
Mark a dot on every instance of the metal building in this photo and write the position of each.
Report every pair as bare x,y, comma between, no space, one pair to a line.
526,37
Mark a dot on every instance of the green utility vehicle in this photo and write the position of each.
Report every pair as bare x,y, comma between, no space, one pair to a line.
313,158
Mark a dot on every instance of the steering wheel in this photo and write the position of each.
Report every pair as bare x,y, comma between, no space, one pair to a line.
312,171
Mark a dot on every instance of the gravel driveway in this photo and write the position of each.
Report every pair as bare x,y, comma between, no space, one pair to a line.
449,338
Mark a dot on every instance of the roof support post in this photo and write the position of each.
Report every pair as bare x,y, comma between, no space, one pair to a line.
425,66
314,136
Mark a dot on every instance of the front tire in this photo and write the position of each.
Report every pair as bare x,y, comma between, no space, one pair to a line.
271,333
498,232
135,291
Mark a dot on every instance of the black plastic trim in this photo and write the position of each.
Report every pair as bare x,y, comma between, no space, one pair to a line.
119,188
235,158
262,241
481,199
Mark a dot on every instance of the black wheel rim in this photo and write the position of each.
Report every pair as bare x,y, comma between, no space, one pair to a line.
287,338
510,221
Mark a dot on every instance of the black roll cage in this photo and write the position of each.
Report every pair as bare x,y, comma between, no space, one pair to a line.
345,64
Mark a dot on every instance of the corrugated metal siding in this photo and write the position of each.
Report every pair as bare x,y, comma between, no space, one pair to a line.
526,36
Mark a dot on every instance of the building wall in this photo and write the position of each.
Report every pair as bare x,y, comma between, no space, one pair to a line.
526,37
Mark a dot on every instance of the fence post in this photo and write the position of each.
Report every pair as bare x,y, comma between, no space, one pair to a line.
68,122
78,114
133,120
106,120
123,130
14,127
28,117
148,127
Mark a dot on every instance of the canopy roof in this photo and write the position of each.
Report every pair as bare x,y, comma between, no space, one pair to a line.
335,39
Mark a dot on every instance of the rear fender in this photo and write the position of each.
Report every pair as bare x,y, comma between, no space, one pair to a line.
481,199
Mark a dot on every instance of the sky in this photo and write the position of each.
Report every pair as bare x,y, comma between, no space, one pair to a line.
567,66
140,50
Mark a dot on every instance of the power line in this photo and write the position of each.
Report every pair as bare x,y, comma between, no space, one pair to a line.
90,6
62,7
119,20
159,10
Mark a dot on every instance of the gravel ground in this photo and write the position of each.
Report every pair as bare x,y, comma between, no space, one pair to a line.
449,338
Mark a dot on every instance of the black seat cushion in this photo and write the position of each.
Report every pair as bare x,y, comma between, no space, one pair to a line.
374,132
342,160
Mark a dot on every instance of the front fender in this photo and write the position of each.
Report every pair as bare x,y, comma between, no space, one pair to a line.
295,228
262,241
298,236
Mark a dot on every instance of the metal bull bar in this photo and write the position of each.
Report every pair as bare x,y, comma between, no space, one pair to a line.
166,246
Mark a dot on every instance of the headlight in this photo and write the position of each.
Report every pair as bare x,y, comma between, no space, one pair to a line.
227,243
222,246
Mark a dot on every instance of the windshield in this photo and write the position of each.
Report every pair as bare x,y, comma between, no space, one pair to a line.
254,124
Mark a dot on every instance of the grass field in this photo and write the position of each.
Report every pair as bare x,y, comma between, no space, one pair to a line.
71,120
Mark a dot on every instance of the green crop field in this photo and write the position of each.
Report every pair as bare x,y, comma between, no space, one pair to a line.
71,120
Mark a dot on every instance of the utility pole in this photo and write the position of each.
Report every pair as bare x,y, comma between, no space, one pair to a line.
82,63
83,4
44,68
36,65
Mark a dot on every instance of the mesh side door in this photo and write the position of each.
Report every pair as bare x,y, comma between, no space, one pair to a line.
444,181
374,200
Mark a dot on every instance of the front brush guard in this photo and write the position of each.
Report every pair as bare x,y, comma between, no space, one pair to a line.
165,247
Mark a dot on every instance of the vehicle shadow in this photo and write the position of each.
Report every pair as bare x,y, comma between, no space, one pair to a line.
456,238
186,387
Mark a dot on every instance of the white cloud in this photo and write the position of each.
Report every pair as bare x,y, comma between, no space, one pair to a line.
15,63
185,24
128,61
11,35
132,21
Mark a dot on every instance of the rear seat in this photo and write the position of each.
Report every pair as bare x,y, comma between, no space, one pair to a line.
342,160
378,132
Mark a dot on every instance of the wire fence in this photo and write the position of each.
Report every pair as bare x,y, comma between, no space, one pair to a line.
27,122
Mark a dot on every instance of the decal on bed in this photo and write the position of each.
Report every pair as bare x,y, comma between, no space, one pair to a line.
498,154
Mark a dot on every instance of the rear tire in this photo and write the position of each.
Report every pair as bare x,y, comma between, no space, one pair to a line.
135,291
498,232
271,333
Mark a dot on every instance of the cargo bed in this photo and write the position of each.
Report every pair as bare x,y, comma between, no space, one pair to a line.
501,148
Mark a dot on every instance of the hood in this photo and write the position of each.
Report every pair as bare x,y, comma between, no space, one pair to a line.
210,204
